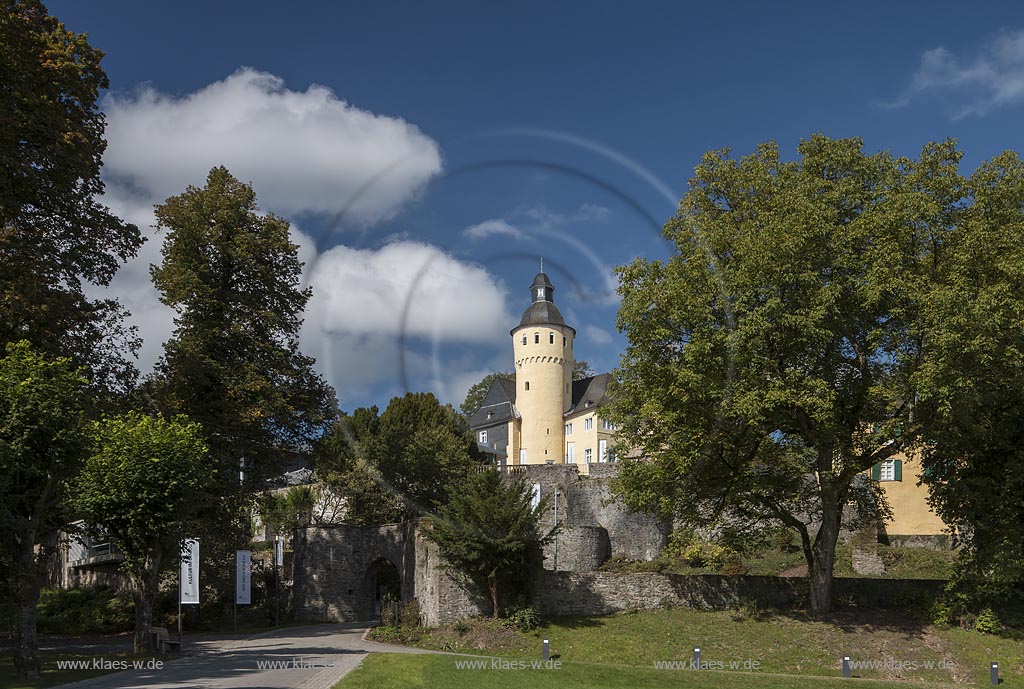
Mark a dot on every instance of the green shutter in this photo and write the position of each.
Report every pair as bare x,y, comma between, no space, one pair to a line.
876,472
897,470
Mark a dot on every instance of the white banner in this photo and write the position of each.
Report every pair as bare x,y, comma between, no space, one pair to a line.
188,581
279,552
243,572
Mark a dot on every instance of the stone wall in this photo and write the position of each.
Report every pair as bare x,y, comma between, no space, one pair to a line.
334,568
601,593
443,597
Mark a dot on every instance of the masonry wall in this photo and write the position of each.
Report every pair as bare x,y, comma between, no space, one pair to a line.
601,593
333,578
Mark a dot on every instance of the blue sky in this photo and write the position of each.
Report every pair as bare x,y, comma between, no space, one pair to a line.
428,153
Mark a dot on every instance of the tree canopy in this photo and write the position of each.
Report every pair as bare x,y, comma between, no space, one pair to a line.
490,530
233,364
397,464
971,385
144,483
54,233
43,439
770,359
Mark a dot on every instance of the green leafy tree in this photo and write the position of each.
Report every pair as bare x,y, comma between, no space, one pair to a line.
43,438
971,385
770,359
478,391
233,363
399,464
490,531
143,485
54,234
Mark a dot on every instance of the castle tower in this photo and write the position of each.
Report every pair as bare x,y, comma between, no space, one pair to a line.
542,344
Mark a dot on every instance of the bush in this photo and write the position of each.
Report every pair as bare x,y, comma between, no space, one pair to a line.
524,619
461,627
987,622
85,611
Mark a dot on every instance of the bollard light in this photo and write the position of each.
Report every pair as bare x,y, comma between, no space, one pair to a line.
995,673
546,654
846,667
696,657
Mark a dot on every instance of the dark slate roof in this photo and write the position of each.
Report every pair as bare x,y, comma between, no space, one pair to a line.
593,390
541,313
499,401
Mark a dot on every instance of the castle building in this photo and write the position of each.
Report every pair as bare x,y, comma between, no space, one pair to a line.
544,416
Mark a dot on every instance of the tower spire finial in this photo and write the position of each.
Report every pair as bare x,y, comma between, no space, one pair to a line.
542,264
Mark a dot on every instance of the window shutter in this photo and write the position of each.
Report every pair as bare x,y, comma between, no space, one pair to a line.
876,472
897,470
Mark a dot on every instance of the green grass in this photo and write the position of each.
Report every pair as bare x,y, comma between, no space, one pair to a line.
784,643
51,675
397,671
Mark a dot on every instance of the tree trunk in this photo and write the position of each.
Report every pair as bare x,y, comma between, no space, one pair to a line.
824,558
26,597
492,584
144,590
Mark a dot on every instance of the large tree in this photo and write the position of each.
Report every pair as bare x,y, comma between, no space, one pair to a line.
490,531
770,359
55,236
143,483
43,438
233,364
399,464
972,386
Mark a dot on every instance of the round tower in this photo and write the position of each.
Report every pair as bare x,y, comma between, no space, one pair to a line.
542,344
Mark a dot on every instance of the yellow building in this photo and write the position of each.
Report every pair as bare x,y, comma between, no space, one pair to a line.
544,416
911,514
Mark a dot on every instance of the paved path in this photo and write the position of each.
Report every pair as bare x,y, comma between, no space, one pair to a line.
313,657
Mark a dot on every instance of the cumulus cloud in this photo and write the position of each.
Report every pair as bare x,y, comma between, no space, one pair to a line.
993,78
408,288
490,228
305,151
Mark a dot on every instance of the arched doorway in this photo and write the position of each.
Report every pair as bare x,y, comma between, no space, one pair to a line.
383,583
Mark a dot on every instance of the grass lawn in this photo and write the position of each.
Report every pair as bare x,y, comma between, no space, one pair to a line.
398,671
782,643
52,675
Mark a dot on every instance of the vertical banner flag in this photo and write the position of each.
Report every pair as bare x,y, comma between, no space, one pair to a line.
279,551
243,570
188,584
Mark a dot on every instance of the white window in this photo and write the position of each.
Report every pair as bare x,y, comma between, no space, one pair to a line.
551,338
607,425
588,455
570,453
482,437
602,452
588,424
887,470
568,428
536,338
524,339
540,292
522,456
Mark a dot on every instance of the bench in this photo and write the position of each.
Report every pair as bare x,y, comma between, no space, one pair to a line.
163,642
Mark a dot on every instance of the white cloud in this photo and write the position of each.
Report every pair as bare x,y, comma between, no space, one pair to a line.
406,288
489,228
304,151
547,218
597,335
994,78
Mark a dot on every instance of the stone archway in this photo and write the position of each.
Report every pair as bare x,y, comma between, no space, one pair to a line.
382,582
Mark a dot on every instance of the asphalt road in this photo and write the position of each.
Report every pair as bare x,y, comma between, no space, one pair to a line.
313,657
